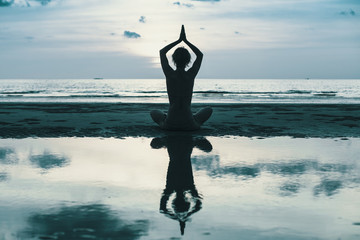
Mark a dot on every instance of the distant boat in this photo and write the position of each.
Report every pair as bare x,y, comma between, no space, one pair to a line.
307,78
98,78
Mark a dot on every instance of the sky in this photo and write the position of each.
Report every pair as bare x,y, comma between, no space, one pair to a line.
122,39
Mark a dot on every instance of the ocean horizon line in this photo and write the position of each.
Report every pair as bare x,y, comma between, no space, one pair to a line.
104,78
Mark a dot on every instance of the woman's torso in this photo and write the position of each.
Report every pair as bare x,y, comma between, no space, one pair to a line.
180,88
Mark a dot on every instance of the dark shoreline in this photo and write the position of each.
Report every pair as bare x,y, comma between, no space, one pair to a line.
22,120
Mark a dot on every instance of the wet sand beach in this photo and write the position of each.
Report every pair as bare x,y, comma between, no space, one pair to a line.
21,120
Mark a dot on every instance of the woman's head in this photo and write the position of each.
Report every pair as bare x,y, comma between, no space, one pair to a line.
181,203
181,57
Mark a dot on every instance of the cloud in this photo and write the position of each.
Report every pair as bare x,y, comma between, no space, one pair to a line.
94,221
44,2
189,5
346,13
142,19
7,156
129,34
288,170
3,176
6,3
47,161
206,0
328,187
211,164
238,33
25,3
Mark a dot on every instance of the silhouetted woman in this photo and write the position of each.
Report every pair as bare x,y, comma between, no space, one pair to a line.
180,198
180,85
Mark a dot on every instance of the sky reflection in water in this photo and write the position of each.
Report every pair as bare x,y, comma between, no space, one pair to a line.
276,188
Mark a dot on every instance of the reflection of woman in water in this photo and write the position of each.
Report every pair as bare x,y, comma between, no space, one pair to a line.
180,185
180,83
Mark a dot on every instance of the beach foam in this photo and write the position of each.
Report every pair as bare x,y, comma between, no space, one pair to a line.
311,91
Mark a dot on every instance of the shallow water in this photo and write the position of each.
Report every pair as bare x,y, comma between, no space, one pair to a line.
230,188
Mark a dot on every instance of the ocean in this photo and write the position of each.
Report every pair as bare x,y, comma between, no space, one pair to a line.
308,91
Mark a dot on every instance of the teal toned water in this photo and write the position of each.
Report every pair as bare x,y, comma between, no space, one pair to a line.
205,90
91,188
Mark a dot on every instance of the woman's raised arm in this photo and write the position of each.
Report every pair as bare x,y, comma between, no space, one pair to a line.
163,59
199,55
